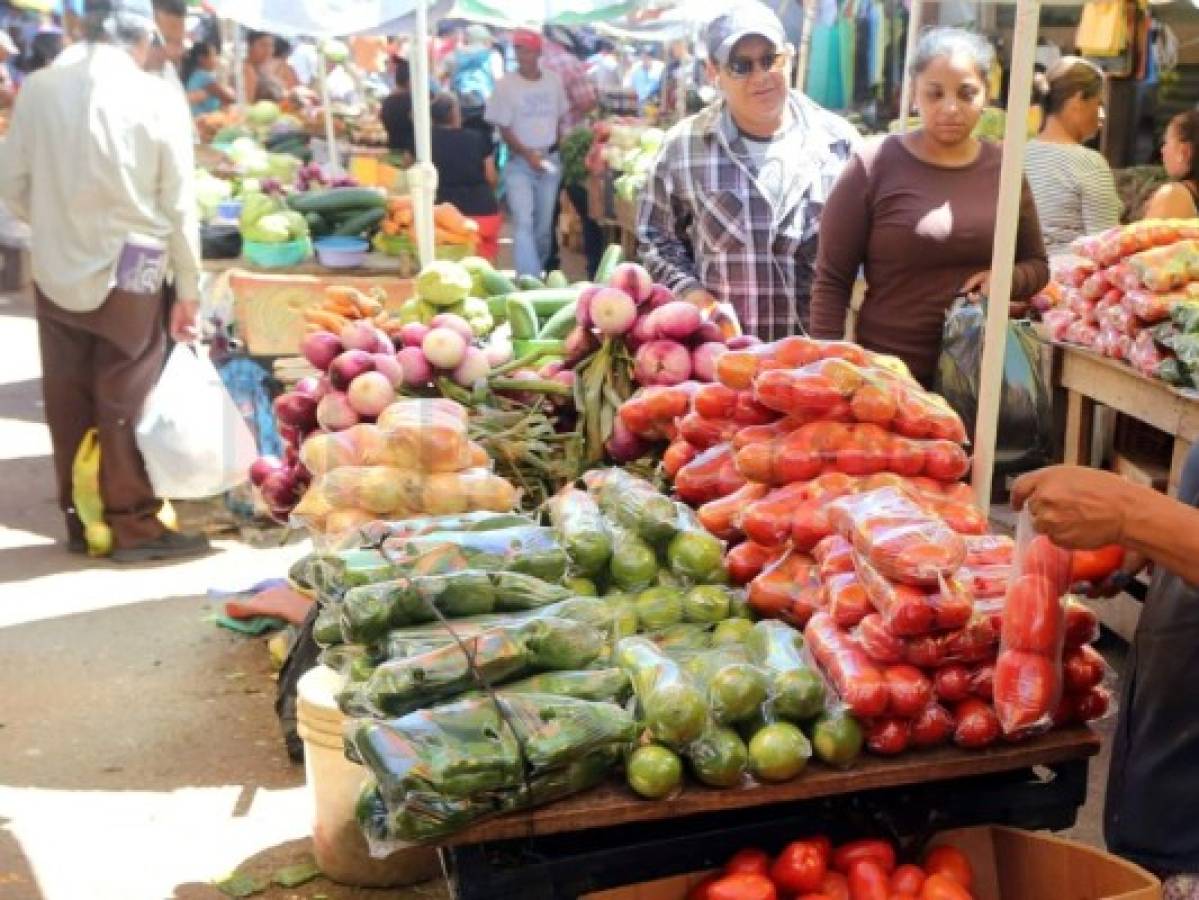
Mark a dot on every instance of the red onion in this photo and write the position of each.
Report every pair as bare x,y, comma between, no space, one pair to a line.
662,362
264,466
349,366
387,365
320,349
371,393
703,360
334,412
297,410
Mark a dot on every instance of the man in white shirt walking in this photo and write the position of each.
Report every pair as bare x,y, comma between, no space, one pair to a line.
529,107
99,160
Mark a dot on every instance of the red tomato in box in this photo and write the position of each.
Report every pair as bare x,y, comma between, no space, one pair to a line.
801,867
952,683
677,455
932,727
889,736
1082,669
1033,619
976,725
1026,689
746,561
909,691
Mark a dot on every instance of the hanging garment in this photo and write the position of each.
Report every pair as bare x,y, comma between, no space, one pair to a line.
1103,29
824,62
847,29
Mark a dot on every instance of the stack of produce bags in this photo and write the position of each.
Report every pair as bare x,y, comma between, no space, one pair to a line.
1132,294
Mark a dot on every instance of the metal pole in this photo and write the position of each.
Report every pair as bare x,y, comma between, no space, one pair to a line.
805,44
1007,217
422,177
915,23
322,75
239,64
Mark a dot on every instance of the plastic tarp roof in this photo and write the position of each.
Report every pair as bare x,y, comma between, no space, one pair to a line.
327,18
513,13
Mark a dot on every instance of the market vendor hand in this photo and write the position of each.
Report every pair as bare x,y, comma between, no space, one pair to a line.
534,159
183,326
977,285
1078,508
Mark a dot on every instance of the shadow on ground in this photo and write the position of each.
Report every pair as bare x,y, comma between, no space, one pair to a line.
17,881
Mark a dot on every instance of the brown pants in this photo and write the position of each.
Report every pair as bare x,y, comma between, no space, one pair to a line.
97,370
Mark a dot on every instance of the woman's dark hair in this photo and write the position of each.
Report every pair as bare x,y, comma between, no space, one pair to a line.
1187,126
43,50
1069,77
195,55
403,72
441,108
939,43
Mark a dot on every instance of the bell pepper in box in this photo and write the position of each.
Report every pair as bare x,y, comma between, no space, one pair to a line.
790,589
911,611
904,541
722,516
747,560
858,681
711,475
846,600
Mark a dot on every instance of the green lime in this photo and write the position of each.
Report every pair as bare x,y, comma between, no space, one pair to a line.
778,752
581,587
731,631
696,555
624,619
654,772
798,694
706,603
634,565
719,758
675,711
736,692
659,608
837,739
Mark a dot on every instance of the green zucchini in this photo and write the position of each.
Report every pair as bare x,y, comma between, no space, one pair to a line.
529,282
498,305
497,284
360,223
522,317
318,224
559,325
547,301
612,258
334,200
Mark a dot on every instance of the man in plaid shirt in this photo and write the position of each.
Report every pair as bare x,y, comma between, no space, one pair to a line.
731,215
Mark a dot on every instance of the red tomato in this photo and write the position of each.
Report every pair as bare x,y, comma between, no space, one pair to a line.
952,683
889,736
878,642
704,433
800,867
1032,617
768,521
932,726
982,682
907,879
873,403
742,886
909,690
847,600
746,561
1027,687
1082,624
701,889
976,724
868,881
715,401
1094,704
1045,558
945,461
904,895
702,479
1095,566
751,859
676,456
904,457
940,887
880,851
722,516
809,525
835,886
776,590
1082,669
950,862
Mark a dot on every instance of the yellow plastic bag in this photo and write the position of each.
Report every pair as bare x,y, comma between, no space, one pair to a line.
89,505
1103,29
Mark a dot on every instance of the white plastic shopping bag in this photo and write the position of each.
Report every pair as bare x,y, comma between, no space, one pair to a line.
191,435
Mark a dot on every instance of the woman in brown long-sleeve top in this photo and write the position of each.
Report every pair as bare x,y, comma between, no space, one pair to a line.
917,211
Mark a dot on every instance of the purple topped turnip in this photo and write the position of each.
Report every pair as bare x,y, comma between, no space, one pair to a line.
297,410
675,321
583,304
334,412
474,367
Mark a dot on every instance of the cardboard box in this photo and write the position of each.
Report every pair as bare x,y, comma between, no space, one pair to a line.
1009,864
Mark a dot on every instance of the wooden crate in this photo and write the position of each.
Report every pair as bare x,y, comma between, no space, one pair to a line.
268,309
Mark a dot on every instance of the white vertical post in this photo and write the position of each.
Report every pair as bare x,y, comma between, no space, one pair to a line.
805,44
422,177
239,64
915,23
322,75
1007,217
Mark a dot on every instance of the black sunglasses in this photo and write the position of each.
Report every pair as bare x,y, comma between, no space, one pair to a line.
743,66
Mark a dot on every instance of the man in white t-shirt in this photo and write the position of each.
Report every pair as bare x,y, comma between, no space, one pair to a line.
529,107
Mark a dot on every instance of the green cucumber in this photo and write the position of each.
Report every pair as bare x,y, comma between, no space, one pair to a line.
317,224
334,200
522,317
529,282
360,223
496,284
612,258
559,325
547,301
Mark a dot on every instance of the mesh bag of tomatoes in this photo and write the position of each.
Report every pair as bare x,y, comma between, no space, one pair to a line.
853,448
814,869
1028,673
875,396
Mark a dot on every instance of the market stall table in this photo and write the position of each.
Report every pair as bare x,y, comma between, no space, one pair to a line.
1089,379
608,837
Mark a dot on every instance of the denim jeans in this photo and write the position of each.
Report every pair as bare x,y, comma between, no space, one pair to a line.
531,196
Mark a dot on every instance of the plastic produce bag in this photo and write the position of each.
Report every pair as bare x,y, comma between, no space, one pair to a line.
789,589
528,549
848,602
192,437
975,643
735,687
853,449
597,685
874,396
914,611
711,475
443,448
633,503
901,539
674,708
834,555
796,691
581,528
1025,413
1028,673
857,680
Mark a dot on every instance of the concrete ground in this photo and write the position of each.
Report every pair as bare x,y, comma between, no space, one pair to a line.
140,756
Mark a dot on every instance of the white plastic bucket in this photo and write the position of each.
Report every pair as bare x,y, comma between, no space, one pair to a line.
333,783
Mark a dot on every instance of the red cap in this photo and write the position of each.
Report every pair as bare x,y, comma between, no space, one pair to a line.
527,38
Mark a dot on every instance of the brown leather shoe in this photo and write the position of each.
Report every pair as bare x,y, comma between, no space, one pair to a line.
171,545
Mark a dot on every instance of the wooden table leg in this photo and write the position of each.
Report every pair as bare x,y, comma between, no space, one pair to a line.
1181,450
1080,426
